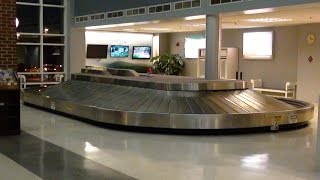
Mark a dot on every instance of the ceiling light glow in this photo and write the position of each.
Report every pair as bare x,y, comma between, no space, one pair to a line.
189,18
115,25
258,11
268,20
156,29
195,25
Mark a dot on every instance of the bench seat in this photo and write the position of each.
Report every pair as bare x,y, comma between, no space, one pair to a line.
290,88
272,90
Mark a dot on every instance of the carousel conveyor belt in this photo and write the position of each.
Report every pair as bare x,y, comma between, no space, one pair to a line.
181,104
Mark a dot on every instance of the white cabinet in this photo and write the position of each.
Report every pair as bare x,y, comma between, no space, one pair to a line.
228,63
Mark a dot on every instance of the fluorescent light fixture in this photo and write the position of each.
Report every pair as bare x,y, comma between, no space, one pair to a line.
115,25
258,11
110,26
156,29
190,18
268,20
196,25
128,29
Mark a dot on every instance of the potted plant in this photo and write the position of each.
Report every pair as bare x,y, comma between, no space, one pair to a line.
169,64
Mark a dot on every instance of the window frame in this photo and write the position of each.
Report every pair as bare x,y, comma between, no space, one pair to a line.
266,57
41,6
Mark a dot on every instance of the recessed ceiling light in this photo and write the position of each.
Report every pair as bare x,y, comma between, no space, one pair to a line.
156,29
128,29
115,25
258,11
189,18
268,20
195,25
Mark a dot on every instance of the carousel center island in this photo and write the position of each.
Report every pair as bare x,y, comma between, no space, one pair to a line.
127,99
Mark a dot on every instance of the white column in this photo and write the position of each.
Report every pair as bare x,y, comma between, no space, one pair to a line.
318,140
213,45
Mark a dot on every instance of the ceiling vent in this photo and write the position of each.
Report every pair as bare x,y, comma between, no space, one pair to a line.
80,19
115,14
136,11
187,4
217,2
159,8
97,16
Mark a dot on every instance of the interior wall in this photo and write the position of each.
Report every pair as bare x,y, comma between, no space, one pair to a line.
77,50
274,73
117,38
308,72
164,44
176,41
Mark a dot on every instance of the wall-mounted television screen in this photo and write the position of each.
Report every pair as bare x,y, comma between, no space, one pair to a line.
95,51
119,51
141,52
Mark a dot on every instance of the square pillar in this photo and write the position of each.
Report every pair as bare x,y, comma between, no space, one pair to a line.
213,46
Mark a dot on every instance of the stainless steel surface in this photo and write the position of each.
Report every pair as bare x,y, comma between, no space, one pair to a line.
111,71
95,71
195,108
165,83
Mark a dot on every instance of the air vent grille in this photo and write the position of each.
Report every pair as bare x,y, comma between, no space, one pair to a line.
115,14
80,19
97,16
159,9
187,4
217,2
136,11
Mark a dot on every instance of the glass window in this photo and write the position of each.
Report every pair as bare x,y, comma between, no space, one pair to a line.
55,2
53,58
258,45
28,38
28,58
53,39
28,19
28,1
32,53
52,20
192,44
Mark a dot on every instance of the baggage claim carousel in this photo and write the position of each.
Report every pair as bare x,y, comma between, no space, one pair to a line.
123,99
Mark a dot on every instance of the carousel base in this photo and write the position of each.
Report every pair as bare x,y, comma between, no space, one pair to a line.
164,104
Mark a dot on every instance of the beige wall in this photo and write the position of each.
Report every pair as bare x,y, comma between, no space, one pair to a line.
290,62
308,73
77,50
190,64
274,73
164,46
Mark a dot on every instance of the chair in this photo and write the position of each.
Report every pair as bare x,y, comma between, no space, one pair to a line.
256,83
291,87
58,77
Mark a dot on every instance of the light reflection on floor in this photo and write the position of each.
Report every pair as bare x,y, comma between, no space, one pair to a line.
282,155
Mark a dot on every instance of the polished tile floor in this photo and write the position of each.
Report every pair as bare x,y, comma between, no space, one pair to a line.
283,155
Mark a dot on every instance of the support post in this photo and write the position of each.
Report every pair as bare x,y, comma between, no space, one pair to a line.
317,158
213,46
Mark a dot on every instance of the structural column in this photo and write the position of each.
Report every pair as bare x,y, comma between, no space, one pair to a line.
317,155
213,44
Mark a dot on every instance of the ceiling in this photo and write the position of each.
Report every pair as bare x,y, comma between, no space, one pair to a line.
271,17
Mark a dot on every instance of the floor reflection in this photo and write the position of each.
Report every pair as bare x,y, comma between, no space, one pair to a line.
251,156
